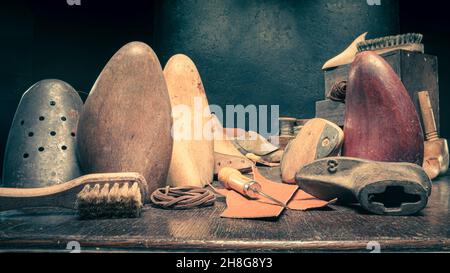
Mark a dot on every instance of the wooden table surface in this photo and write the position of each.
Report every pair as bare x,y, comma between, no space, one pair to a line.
336,229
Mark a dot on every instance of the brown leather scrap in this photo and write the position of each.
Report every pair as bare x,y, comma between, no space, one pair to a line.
240,207
303,201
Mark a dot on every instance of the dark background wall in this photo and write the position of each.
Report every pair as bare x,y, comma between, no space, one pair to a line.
265,52
50,39
431,18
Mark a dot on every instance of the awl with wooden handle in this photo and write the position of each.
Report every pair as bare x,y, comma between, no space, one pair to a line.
232,179
436,160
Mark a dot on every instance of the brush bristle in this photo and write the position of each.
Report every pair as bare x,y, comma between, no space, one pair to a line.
118,201
390,41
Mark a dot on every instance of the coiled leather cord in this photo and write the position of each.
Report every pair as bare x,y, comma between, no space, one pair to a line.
338,91
182,198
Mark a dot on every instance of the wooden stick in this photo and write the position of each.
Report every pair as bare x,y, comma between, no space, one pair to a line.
429,122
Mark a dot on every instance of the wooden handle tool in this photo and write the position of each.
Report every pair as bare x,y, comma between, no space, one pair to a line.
436,160
429,121
232,179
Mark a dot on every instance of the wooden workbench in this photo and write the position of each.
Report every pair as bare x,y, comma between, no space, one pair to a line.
335,229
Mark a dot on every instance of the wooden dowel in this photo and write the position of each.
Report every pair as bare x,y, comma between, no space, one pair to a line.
429,121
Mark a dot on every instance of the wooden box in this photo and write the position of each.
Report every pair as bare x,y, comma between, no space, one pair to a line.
418,72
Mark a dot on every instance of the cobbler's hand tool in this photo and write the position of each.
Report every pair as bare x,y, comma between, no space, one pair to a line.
192,161
41,145
254,143
116,195
382,188
233,180
257,149
347,56
436,149
126,122
409,42
381,121
319,138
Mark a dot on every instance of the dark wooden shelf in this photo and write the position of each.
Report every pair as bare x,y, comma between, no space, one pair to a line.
336,229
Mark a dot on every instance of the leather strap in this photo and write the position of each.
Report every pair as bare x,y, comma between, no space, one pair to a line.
242,164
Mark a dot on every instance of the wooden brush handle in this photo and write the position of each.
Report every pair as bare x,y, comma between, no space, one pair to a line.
63,195
12,199
429,121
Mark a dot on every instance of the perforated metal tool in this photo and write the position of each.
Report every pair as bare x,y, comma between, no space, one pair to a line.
41,148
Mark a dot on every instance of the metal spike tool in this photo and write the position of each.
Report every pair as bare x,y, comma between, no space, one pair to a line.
232,179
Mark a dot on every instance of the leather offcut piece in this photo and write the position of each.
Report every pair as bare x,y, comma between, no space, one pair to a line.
304,201
41,148
192,161
240,207
126,122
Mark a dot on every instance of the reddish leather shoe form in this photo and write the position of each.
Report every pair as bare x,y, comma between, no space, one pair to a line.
381,122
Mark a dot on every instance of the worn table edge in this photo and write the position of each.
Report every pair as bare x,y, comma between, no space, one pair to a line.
139,245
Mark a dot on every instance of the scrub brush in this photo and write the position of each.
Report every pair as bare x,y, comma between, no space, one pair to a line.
97,196
410,42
